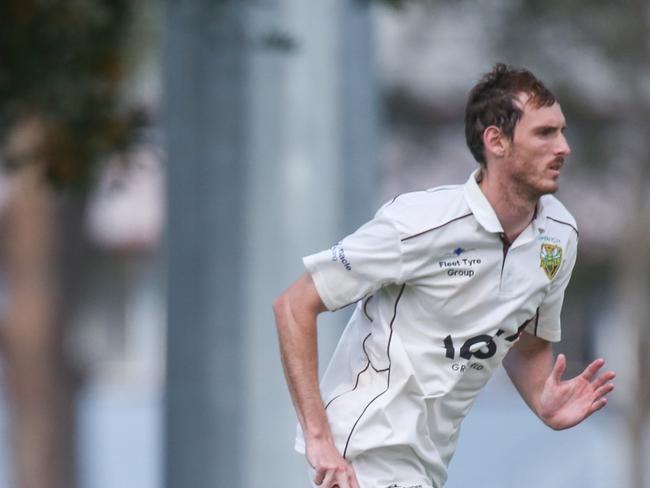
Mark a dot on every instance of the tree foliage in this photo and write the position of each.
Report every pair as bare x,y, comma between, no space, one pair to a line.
61,63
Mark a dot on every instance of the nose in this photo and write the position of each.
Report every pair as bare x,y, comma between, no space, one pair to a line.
563,148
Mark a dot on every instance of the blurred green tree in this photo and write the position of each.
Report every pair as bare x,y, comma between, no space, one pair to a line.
62,64
61,75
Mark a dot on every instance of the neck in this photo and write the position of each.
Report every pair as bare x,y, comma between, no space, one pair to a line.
514,209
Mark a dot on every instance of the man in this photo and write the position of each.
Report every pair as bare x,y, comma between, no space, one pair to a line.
449,283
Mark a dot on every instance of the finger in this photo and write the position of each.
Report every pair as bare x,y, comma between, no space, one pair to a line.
341,480
559,368
597,405
345,478
320,476
354,483
592,369
328,480
604,390
352,476
605,378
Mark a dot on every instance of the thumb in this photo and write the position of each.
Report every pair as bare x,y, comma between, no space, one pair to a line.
319,477
559,368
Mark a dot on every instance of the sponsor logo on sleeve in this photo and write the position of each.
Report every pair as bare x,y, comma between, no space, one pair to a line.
550,259
549,239
338,254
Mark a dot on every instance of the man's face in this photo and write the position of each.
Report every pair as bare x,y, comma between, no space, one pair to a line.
538,149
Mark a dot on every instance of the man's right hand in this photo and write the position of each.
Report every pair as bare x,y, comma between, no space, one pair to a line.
332,471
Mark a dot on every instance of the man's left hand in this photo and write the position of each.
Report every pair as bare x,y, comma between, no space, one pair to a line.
564,404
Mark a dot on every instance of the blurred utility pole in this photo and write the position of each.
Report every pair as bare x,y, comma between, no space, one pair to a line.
272,129
312,178
205,111
360,101
634,269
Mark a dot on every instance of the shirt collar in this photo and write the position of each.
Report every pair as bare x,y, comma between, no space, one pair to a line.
484,213
479,205
540,215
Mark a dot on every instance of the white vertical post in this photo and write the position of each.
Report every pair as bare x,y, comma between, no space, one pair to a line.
311,178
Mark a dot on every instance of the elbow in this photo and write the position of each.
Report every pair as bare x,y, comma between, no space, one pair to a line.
280,304
299,302
285,309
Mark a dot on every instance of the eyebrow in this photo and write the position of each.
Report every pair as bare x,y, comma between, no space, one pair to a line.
549,128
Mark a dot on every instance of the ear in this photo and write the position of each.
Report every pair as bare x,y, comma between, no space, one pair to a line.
494,141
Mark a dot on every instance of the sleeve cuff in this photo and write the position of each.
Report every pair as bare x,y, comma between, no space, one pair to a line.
324,293
554,335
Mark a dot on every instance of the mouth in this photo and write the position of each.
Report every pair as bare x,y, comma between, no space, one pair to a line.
555,167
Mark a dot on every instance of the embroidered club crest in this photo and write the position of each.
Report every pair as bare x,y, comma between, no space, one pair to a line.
550,259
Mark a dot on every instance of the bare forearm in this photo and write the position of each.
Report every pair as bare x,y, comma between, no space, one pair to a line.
528,367
299,353
296,311
559,404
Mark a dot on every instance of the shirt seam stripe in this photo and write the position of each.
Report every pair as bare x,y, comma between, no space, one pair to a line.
437,227
356,384
427,190
368,364
565,223
390,337
365,311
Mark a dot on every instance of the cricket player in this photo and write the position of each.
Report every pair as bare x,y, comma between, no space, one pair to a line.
449,283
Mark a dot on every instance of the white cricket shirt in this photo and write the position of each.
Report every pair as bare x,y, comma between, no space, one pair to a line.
441,299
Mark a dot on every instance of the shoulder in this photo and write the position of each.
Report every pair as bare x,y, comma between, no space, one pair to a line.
557,213
416,212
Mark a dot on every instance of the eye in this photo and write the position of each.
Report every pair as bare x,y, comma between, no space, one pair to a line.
546,131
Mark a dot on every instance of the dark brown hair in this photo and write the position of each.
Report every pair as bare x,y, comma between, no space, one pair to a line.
492,101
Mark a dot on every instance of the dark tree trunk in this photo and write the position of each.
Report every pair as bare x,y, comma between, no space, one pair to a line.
39,385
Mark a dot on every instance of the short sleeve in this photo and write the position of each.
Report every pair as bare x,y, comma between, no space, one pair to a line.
359,264
547,321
